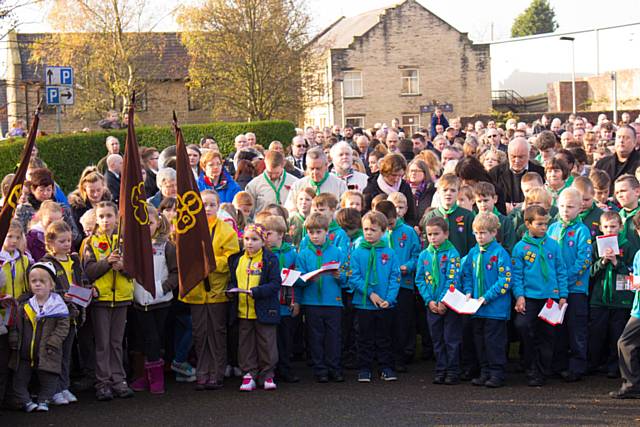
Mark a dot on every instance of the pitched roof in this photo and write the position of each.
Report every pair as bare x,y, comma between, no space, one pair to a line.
342,32
170,63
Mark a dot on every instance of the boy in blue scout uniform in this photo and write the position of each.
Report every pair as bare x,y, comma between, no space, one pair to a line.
326,205
438,270
486,275
538,273
574,239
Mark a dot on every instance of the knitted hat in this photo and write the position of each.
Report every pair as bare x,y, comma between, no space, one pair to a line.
49,268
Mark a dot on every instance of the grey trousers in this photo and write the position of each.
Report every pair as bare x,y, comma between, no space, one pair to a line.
108,330
210,340
67,347
629,355
257,349
22,378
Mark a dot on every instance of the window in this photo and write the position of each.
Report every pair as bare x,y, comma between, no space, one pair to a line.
410,124
410,82
356,122
352,84
193,101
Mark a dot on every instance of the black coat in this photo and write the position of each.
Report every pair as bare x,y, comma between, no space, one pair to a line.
611,166
505,181
113,184
372,190
266,294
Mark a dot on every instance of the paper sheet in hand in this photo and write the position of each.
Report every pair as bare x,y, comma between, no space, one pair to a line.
608,241
328,267
552,313
238,291
79,295
289,276
457,301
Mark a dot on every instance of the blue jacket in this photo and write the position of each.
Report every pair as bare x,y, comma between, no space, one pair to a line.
576,253
287,257
265,295
355,241
386,284
405,243
325,290
434,121
226,192
448,266
527,273
336,235
496,266
635,310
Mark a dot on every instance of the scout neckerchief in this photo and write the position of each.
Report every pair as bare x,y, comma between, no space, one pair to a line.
479,273
608,285
273,186
399,223
626,214
542,256
280,251
435,264
346,176
318,184
496,212
565,227
583,215
319,251
371,266
356,235
446,212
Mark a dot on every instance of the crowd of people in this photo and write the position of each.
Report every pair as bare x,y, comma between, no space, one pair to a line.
381,225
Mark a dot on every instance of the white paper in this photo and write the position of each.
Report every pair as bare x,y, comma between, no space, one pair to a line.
330,266
457,301
289,276
552,313
79,295
238,291
606,242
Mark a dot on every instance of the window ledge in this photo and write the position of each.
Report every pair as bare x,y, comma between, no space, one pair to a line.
410,94
354,97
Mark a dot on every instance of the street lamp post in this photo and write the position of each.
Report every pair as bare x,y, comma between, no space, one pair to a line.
573,71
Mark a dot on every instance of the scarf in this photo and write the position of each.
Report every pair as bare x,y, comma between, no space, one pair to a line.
542,256
565,227
435,265
479,273
446,212
273,186
356,235
222,182
318,184
280,251
626,214
371,266
386,188
319,251
399,223
583,215
53,307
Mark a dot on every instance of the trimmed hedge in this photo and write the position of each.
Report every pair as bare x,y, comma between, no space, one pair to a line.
68,155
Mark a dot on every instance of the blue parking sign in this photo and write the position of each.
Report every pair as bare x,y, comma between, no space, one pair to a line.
66,76
53,96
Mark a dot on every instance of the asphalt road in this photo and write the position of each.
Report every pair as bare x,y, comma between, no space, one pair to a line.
412,400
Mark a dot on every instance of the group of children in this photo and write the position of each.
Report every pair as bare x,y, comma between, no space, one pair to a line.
360,311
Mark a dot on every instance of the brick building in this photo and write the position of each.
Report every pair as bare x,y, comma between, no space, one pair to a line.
166,77
394,63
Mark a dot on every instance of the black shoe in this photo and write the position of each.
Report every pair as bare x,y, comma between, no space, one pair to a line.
494,383
624,394
571,377
535,382
449,380
322,379
336,377
466,376
401,368
288,378
480,381
438,379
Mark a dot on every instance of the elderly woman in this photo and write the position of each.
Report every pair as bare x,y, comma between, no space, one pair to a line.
166,182
390,180
215,177
91,190
422,186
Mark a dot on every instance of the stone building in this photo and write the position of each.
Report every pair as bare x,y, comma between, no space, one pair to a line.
166,78
396,62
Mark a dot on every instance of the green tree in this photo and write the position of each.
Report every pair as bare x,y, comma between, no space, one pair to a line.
246,56
538,18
